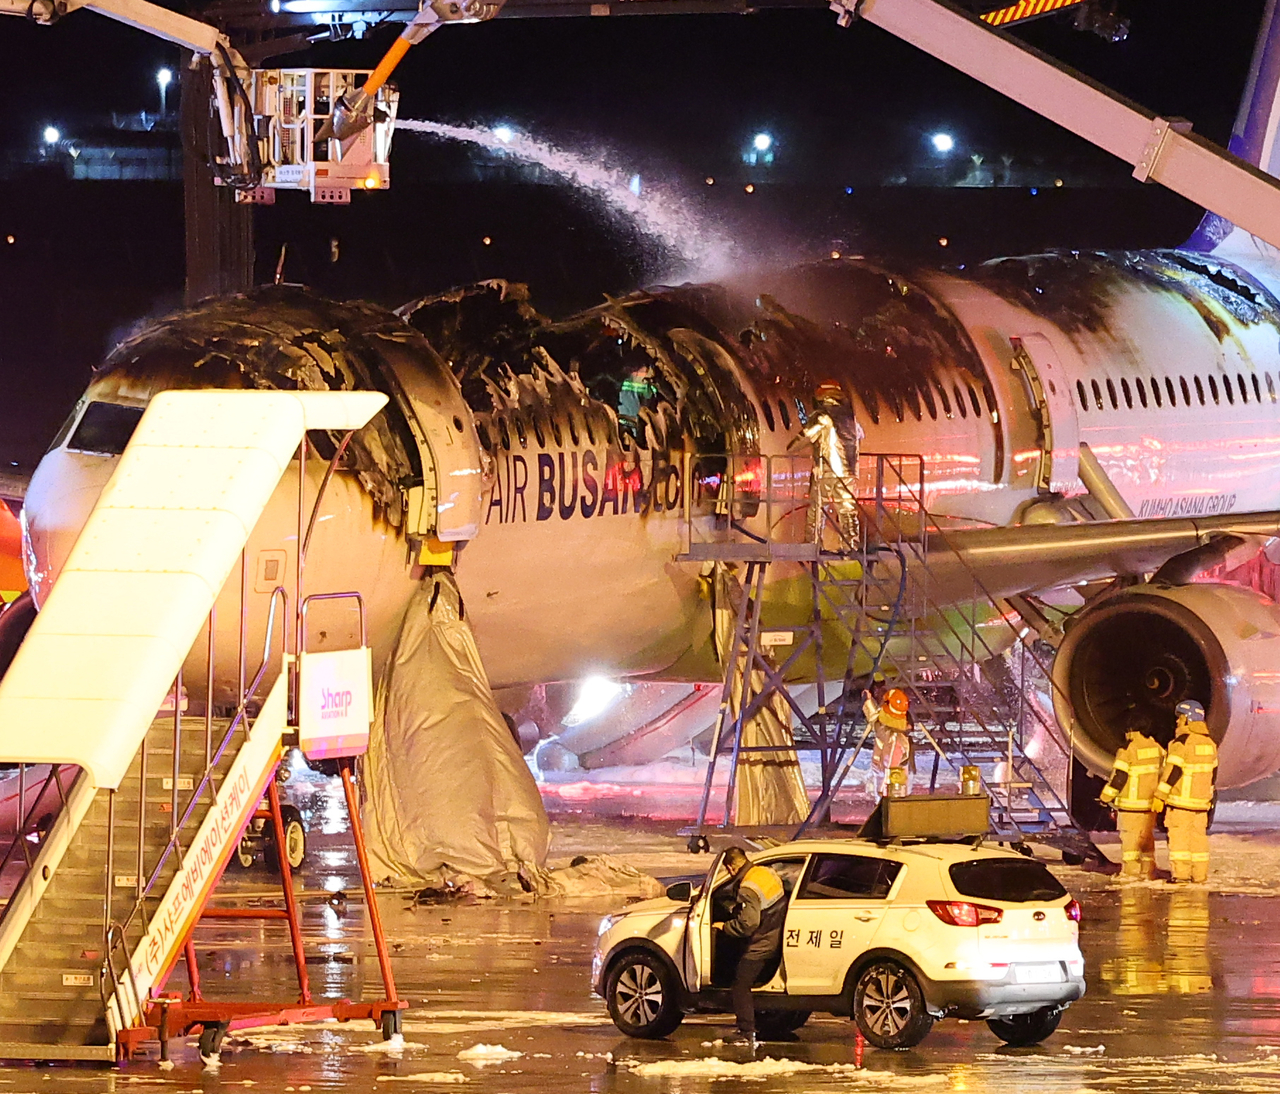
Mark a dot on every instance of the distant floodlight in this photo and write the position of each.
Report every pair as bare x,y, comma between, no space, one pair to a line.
595,695
164,77
762,142
943,142
504,133
634,185
51,135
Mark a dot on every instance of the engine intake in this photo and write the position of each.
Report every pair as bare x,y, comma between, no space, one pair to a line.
1143,651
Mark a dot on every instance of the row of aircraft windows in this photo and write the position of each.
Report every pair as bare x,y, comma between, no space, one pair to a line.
948,405
1218,387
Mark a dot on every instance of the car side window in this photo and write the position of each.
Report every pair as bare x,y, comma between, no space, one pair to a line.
848,877
788,871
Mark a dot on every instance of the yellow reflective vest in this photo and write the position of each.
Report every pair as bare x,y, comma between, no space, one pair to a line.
1134,775
1190,770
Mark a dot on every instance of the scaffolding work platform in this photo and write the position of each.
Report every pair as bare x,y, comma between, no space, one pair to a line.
121,821
832,606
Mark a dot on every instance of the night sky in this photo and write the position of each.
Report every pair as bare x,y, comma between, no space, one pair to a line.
674,97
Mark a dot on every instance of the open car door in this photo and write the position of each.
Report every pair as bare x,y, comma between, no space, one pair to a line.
698,943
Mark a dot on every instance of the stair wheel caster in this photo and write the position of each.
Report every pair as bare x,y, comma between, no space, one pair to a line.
1070,858
699,844
392,1024
211,1038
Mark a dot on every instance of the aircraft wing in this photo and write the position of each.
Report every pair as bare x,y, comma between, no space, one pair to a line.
1029,558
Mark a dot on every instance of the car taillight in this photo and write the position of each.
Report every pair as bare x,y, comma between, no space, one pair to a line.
1073,911
960,913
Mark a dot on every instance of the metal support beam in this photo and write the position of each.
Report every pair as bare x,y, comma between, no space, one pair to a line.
1158,148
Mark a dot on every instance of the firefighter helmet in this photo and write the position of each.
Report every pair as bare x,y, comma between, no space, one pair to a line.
896,702
1190,710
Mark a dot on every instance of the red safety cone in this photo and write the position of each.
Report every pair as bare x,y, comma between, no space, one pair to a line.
859,1045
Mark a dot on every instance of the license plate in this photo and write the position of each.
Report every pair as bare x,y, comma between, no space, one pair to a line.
1038,974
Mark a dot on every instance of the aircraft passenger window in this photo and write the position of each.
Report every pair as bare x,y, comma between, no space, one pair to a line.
520,432
1111,394
927,396
537,432
486,438
105,429
591,433
1271,391
573,431
990,397
1155,390
973,400
964,413
1097,393
848,877
913,404
1213,389
946,403
1257,391
768,413
1128,395
1142,392
1199,389
1173,397
784,413
1084,399
1244,391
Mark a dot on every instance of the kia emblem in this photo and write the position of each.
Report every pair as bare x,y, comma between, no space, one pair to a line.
1039,917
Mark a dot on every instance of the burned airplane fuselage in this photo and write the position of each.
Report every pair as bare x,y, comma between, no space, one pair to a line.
558,465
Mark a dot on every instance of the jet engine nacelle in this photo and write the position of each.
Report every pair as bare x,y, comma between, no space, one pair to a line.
1146,649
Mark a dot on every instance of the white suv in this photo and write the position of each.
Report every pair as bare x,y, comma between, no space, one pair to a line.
896,935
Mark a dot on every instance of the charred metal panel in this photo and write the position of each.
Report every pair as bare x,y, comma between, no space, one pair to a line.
286,339
1077,289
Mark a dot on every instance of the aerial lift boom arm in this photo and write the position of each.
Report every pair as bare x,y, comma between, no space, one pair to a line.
1160,149
235,115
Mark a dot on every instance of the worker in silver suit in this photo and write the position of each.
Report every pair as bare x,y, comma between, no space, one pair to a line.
835,435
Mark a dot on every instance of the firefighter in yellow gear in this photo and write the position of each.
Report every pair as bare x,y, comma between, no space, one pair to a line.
1186,790
1130,790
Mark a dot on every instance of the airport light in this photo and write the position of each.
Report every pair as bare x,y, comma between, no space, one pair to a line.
595,695
164,78
51,135
762,142
942,143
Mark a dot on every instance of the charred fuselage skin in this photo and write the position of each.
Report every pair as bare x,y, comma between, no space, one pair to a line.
591,427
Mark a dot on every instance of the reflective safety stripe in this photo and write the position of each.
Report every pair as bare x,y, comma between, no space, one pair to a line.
765,882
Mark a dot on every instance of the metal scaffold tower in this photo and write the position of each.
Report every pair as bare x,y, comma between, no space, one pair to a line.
831,606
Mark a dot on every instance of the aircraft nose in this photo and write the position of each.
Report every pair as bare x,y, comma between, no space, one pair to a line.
60,497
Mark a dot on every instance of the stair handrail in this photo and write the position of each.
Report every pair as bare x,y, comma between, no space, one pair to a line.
278,594
116,939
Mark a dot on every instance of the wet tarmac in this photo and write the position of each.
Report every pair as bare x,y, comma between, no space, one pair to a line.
1184,995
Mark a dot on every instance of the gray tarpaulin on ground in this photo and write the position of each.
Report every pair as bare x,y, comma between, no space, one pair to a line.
770,789
447,790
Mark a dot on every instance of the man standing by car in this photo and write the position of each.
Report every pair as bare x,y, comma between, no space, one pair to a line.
758,917
1187,789
1129,791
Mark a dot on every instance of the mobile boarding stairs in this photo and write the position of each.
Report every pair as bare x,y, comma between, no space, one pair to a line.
119,823
865,601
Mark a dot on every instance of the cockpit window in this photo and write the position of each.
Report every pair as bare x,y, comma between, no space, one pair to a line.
105,428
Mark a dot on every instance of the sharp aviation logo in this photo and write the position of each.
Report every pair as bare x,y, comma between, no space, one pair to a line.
334,704
568,485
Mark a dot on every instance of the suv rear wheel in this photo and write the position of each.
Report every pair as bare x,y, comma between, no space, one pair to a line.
643,995
1026,1029
889,1006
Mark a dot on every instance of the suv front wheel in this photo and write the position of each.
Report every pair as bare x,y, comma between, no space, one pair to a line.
889,1006
1026,1029
643,996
